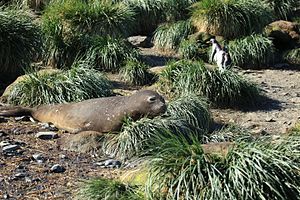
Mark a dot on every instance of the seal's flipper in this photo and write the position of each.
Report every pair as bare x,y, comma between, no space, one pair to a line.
14,111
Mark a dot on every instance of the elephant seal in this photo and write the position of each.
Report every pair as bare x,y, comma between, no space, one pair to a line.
100,114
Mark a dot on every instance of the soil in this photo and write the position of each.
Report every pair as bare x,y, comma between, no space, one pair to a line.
279,112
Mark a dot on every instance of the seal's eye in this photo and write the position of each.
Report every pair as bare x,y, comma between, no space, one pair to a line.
151,99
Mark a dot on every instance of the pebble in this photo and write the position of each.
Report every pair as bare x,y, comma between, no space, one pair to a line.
2,134
38,157
11,147
23,119
110,163
57,168
19,176
48,126
62,156
270,119
3,120
4,143
47,135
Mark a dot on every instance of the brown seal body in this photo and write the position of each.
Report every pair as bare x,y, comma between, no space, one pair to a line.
101,114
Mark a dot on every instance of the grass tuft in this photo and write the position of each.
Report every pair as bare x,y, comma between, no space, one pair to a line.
20,42
293,56
100,189
110,54
169,36
221,88
188,49
231,18
136,73
79,83
71,27
254,51
263,169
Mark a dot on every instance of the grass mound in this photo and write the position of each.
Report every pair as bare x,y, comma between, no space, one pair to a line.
186,115
252,52
169,36
70,27
99,189
136,73
293,56
188,49
79,83
263,169
109,54
232,18
20,42
221,88
283,9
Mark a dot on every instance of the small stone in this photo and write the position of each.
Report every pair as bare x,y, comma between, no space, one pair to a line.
48,126
139,41
47,135
2,134
270,119
23,118
3,120
4,143
11,147
32,120
38,157
6,196
19,176
62,156
110,163
57,168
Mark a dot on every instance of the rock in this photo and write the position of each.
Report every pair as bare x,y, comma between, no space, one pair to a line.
2,134
19,176
48,126
140,41
4,143
57,169
84,142
46,135
110,163
281,65
285,34
62,156
38,158
11,147
3,120
23,118
270,119
259,132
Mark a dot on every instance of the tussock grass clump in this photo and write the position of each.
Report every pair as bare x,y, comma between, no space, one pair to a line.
79,83
293,56
186,116
169,36
252,51
70,27
99,189
20,42
232,18
110,54
221,88
136,73
283,9
150,13
256,170
192,109
188,49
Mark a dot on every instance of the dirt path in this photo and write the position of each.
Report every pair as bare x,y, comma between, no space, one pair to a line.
277,115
